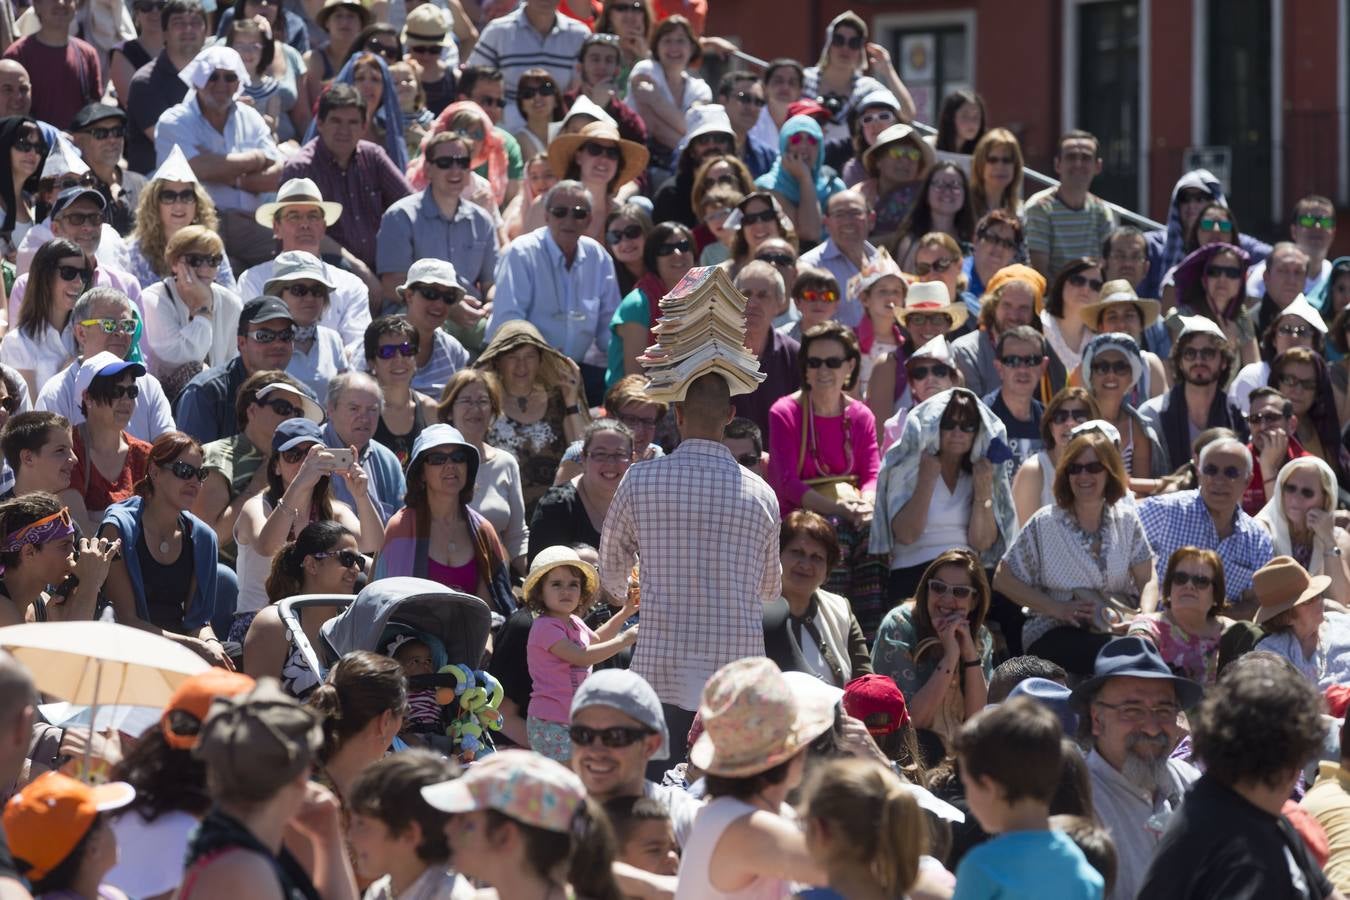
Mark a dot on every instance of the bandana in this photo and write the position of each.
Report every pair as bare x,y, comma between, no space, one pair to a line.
45,530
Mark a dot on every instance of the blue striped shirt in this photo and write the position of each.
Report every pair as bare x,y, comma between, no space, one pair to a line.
512,45
1182,519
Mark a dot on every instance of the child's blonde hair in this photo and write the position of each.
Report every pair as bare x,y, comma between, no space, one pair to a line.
844,792
534,598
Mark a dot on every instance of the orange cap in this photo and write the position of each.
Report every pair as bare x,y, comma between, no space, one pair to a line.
46,820
195,697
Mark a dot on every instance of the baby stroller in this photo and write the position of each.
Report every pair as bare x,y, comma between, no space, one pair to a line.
455,624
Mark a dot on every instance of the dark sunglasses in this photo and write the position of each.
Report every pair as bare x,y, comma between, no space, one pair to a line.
614,737
750,99
938,370
267,336
388,51
1106,367
1294,330
833,362
67,182
451,162
781,260
23,145
185,472
852,43
485,102
1208,354
118,391
346,558
1181,579
1232,473
591,148
186,195
767,215
447,296
389,351
1096,467
967,427
1265,418
282,408
1295,491
580,213
1061,416
79,220
74,273
296,454
430,50
631,233
459,456
102,134
219,76
940,266
197,260
307,290
1233,272
672,249
547,89
1078,279
1030,361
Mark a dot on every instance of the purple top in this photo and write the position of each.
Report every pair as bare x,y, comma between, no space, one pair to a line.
779,364
833,446
461,578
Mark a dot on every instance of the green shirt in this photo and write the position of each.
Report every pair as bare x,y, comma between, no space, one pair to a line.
237,459
632,309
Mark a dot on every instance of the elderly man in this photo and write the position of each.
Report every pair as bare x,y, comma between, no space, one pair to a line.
99,131
1014,297
156,87
1201,361
764,300
707,532
229,146
355,173
1132,701
68,68
104,321
1273,424
298,219
355,402
18,712
563,282
846,250
1212,518
266,339
1283,275
617,729
535,34
16,89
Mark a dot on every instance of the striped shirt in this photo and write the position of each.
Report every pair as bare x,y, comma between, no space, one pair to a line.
1064,233
448,356
707,533
512,45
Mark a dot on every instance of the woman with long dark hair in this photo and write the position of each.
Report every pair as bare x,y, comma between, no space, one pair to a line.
25,150
961,122
42,341
626,230
539,102
943,205
1211,282
360,707
1076,285
1303,377
996,173
667,255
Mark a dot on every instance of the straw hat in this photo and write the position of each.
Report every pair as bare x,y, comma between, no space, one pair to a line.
752,721
564,148
427,24
932,297
561,555
894,135
1119,293
298,192
331,5
1282,584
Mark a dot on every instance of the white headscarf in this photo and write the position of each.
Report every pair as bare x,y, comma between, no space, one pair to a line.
1273,517
196,73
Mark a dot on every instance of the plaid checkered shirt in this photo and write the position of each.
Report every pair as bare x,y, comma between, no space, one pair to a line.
1182,519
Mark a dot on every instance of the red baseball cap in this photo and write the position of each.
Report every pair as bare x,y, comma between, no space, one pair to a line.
869,698
809,108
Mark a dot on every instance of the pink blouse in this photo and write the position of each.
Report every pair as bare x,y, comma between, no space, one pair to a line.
837,438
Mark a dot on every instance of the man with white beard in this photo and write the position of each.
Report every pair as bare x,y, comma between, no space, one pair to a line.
1132,702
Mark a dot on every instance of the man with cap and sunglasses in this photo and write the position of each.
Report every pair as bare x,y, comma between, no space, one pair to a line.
1132,702
99,131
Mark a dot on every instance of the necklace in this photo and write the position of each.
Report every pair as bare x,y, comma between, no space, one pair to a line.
821,469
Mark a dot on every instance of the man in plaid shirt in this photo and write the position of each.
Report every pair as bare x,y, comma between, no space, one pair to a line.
706,530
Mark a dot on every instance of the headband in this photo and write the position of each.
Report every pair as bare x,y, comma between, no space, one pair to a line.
45,530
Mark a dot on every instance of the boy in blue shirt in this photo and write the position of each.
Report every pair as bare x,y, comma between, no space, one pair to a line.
1011,760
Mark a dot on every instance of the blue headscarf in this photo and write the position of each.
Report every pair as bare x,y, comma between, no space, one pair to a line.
389,115
778,179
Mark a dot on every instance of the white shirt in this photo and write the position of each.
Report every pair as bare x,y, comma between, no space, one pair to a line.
152,416
245,130
176,338
150,854
948,523
324,360
43,355
348,310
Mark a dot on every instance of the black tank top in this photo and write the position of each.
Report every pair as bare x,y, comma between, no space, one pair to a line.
401,444
165,586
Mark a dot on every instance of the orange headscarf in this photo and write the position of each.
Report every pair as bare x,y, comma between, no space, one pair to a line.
491,150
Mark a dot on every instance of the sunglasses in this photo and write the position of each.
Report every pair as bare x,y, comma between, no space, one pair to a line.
1181,579
1061,416
1232,272
102,134
967,427
23,145
186,195
1265,418
348,559
1208,354
801,138
485,102
451,162
832,362
1232,473
580,213
1106,367
926,320
296,454
437,295
852,43
1216,225
1030,361
267,336
902,152
227,77
614,737
388,51
881,115
1078,279
1291,490
79,220
1002,242
767,215
307,290
459,456
282,408
825,295
939,266
781,260
431,50
199,260
389,351
547,89
1294,330
1292,381
110,326
66,183
937,370
118,391
943,589
72,273
1324,222
592,148
672,249
630,233
185,472
1092,468
750,99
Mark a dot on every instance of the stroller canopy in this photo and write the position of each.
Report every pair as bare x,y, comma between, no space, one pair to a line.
461,621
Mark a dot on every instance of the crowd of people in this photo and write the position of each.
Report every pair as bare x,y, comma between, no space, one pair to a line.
1023,572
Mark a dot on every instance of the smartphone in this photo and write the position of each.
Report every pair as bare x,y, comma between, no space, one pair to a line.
340,458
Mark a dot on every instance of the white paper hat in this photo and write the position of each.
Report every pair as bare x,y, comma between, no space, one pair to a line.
175,168
65,158
584,106
1299,306
937,349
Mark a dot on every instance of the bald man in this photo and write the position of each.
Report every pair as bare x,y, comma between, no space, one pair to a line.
16,90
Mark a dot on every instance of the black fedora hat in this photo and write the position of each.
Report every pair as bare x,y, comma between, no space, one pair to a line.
1135,657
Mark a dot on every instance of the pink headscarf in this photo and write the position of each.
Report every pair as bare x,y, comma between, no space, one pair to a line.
491,150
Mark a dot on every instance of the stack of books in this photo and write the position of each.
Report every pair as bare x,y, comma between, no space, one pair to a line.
701,330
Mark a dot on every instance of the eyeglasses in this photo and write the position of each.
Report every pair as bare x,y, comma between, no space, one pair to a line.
485,102
186,195
23,145
388,51
459,456
832,362
938,265
1324,222
80,220
200,260
638,423
547,89
72,273
937,370
1265,418
673,248
947,187
593,148
1107,367
448,296
1003,242
348,559
185,472
1288,381
1135,713
943,589
1181,579
1096,467
102,134
1233,272
880,115
1061,416
609,459
317,291
614,738
927,320
1294,330
1216,225
1232,473
118,391
629,233
267,336
296,454
826,295
900,151
389,351
219,76
65,183
1208,354
966,427
282,408
445,163
1029,361
1291,490
781,260
852,43
580,213
1078,279
767,215
750,99
110,326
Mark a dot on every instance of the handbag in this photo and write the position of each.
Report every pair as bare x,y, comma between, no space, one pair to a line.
1110,608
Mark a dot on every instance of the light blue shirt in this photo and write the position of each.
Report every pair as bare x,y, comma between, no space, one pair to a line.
384,476
245,130
324,360
415,228
828,256
1027,865
572,307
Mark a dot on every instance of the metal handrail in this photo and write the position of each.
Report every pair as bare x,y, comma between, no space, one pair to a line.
1128,215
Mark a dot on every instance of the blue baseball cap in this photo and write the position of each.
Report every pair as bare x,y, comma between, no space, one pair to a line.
294,432
103,364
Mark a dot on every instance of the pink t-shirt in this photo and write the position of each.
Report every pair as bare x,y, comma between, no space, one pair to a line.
555,680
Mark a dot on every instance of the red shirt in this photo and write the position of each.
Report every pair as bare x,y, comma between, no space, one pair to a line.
65,79
98,492
1255,496
696,11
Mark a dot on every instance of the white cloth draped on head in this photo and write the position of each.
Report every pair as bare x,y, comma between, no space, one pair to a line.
1273,517
196,73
